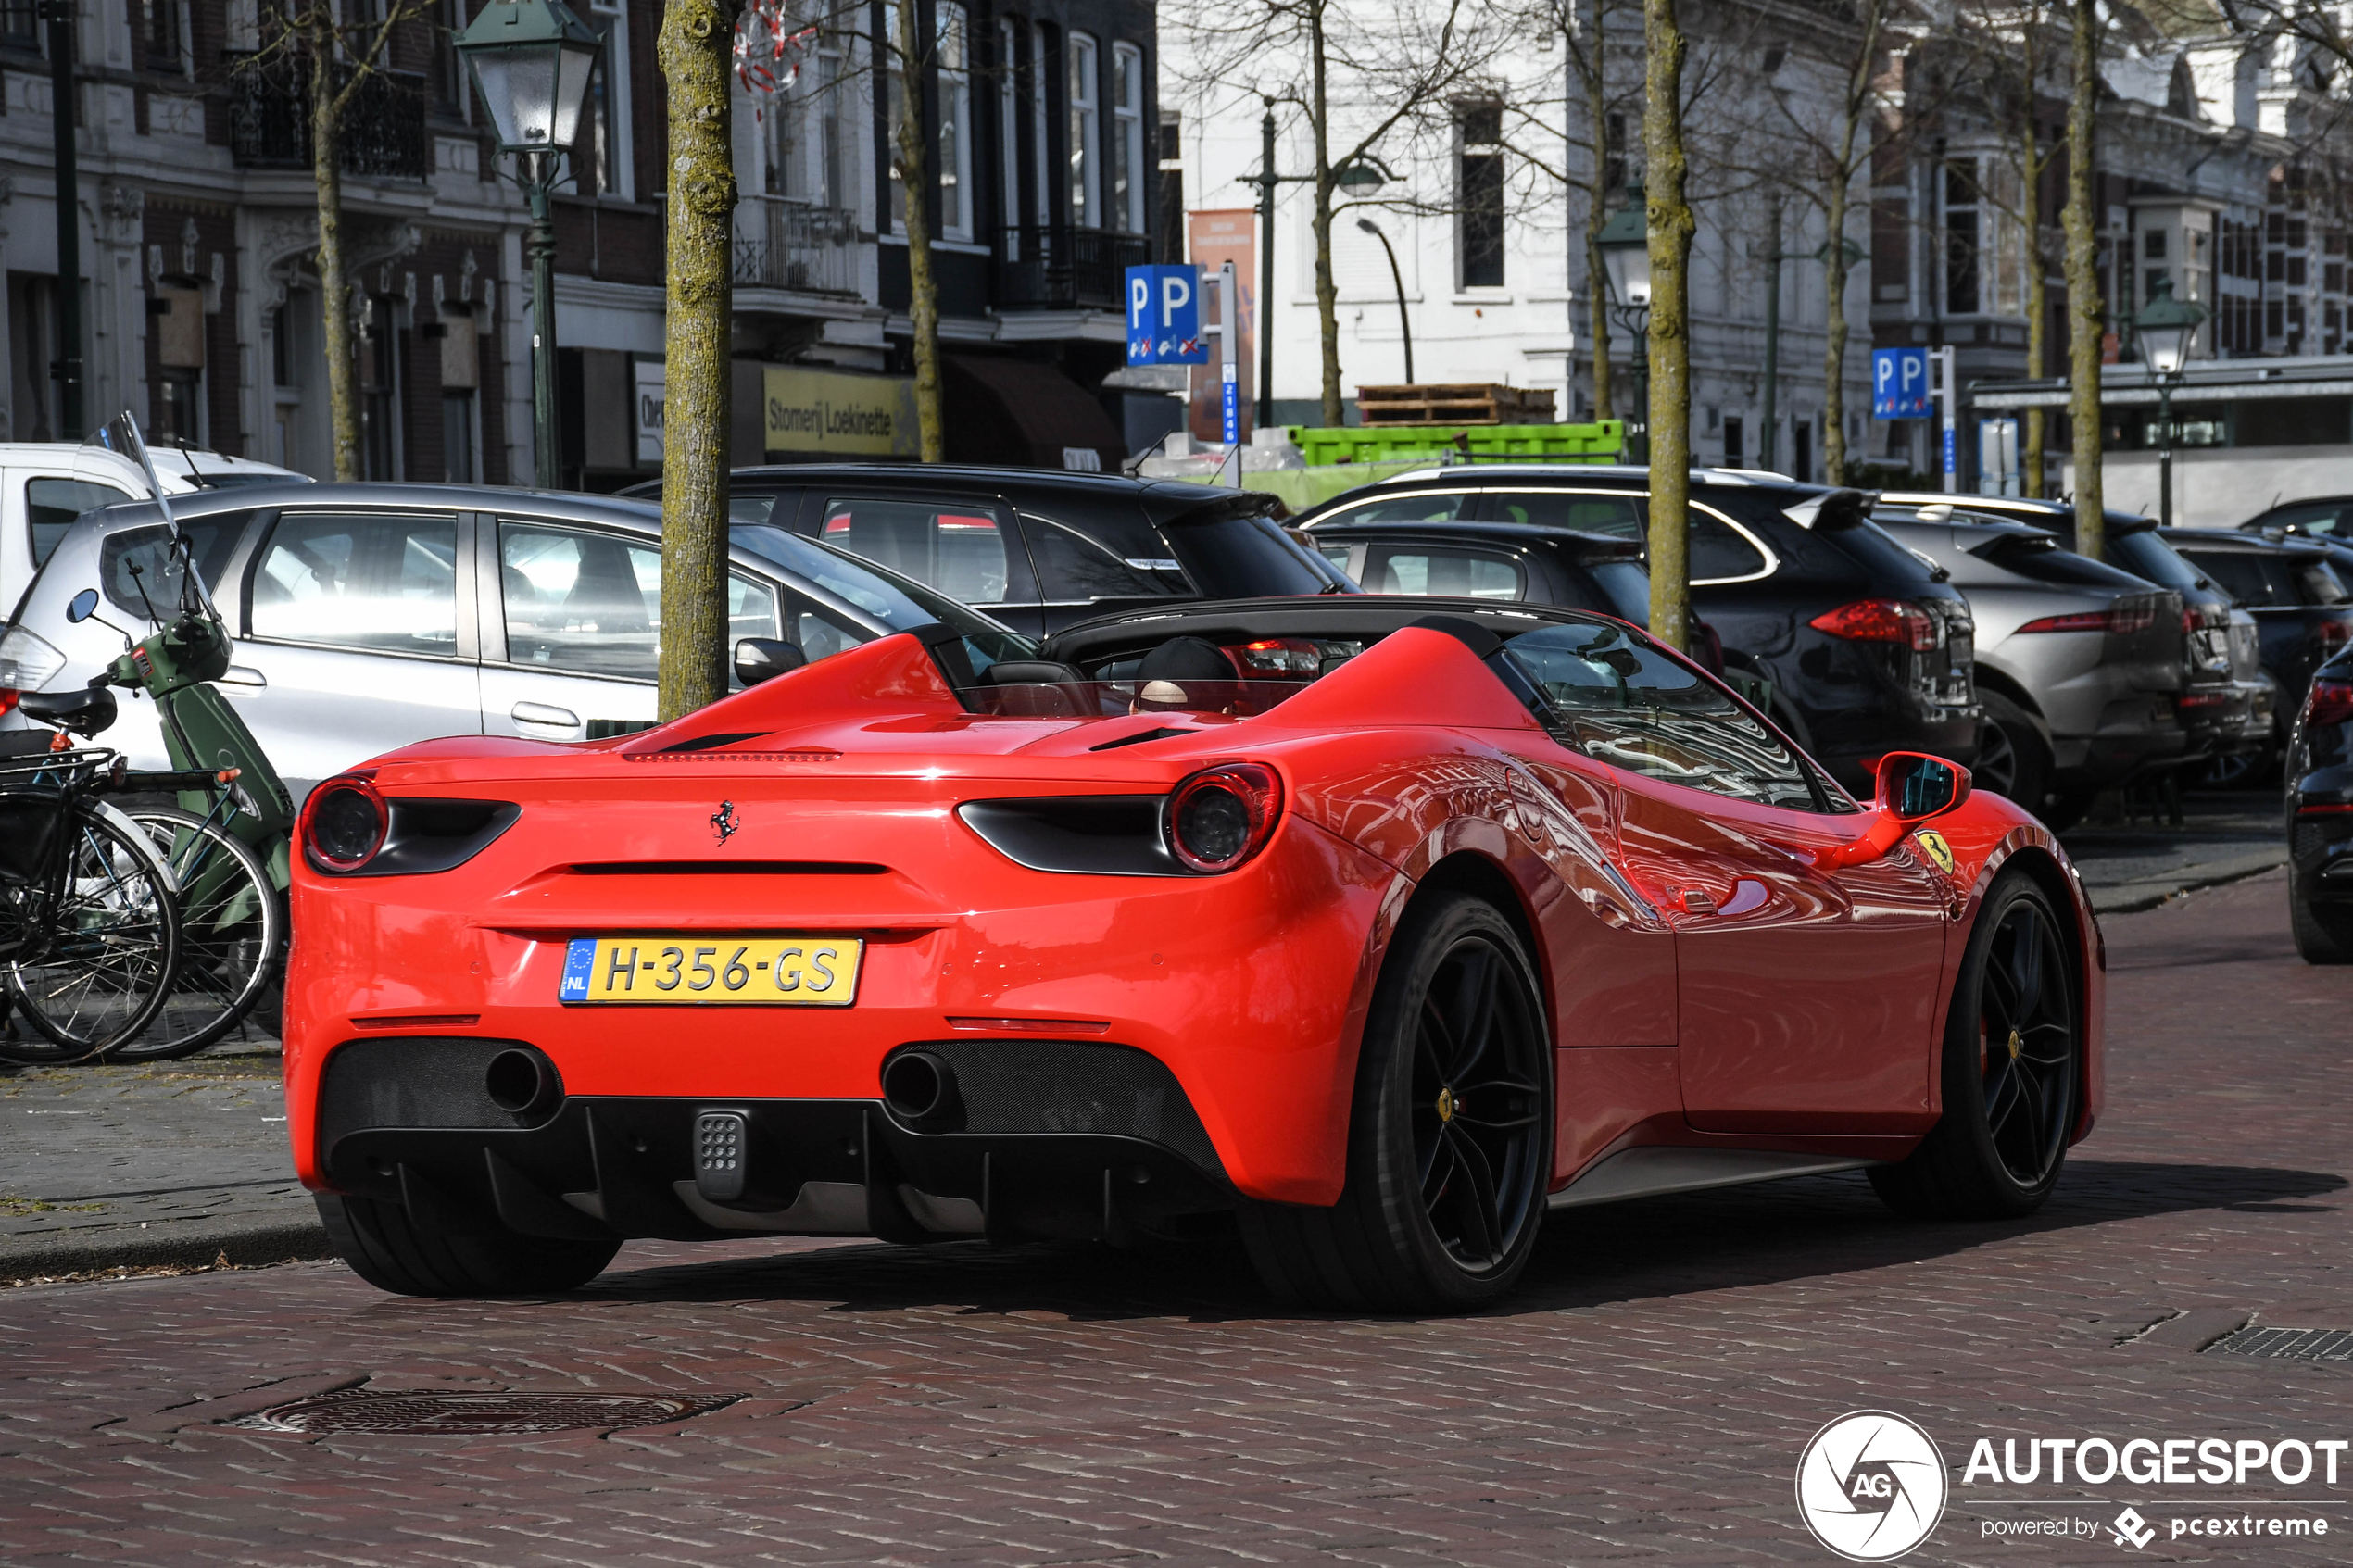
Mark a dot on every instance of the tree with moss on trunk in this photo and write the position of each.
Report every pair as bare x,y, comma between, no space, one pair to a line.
2086,310
335,63
695,48
1671,226
911,55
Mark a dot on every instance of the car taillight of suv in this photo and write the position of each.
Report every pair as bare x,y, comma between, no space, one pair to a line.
1938,637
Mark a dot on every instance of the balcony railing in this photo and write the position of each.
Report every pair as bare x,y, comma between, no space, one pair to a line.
383,131
1052,265
789,245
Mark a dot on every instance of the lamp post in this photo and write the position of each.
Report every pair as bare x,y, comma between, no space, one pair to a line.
531,61
2166,327
1624,242
1396,276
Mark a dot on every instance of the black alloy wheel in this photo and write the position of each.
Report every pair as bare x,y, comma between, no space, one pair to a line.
2012,758
1477,1091
2011,1068
2026,1044
1449,1135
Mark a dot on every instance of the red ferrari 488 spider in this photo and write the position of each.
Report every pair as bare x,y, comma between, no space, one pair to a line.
1375,926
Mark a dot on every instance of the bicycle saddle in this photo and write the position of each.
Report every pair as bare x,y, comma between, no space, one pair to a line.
85,710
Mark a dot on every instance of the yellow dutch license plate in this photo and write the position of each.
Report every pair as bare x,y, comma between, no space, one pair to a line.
739,971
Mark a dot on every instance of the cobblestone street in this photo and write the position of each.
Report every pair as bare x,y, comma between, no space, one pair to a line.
1645,1398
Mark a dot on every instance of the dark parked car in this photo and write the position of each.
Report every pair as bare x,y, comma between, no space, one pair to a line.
2316,515
1038,549
1493,560
1866,649
2301,606
2320,816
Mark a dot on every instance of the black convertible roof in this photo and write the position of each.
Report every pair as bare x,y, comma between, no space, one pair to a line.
1360,616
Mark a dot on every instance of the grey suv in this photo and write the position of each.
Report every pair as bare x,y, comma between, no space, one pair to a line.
2079,665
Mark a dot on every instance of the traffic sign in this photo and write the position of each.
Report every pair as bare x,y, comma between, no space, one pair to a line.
1164,317
1900,387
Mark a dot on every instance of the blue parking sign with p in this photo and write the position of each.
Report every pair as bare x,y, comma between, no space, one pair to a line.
1164,317
1900,384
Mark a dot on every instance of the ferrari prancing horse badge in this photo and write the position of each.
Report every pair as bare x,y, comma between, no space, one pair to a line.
1934,845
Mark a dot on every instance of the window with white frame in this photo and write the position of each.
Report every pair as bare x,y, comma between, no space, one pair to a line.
1008,134
1085,136
955,123
600,157
1128,166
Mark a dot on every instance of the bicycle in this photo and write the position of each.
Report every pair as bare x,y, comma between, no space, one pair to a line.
89,913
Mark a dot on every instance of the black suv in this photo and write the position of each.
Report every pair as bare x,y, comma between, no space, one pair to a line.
2320,816
1865,648
1037,549
2301,606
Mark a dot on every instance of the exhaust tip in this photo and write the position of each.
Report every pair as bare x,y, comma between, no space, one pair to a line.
920,1088
522,1081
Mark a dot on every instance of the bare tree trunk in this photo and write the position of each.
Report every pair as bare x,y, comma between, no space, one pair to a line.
1670,225
1852,113
694,49
2086,313
908,153
1596,74
1326,288
334,292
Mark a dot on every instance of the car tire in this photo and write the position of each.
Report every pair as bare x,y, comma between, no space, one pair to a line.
391,1251
2012,756
2324,932
1441,1207
1997,1151
2065,808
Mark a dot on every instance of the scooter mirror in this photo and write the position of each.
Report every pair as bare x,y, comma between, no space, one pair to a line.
84,606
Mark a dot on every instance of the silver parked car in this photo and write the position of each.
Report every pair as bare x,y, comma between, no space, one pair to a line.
2078,664
366,616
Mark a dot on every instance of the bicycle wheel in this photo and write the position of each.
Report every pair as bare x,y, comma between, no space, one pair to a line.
231,935
104,968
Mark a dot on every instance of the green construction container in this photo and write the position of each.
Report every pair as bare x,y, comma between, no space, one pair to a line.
1601,441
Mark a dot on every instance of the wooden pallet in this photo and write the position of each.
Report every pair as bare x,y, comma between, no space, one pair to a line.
1432,403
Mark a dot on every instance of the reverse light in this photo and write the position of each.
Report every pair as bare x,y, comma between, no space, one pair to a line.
1222,816
1879,621
26,661
1277,659
342,824
2330,702
2121,621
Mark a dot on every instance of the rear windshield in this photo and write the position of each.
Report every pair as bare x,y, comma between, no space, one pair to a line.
210,540
1876,551
1628,586
2039,557
2145,555
1244,557
2267,582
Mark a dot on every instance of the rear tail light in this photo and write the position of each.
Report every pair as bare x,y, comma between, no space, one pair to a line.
342,824
1277,659
2330,702
1879,621
1222,816
8,699
2122,620
2335,632
2200,699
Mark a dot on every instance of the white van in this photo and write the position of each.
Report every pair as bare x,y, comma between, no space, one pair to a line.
45,486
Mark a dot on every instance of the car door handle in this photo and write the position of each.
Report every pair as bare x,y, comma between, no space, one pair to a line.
540,713
243,675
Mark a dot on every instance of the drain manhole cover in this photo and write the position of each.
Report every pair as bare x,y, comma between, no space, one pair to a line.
2288,1344
468,1414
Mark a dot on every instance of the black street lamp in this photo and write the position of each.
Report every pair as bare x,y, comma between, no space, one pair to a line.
2166,327
531,61
1625,245
1396,276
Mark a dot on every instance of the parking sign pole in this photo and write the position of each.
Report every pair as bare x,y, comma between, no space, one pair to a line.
1951,411
1230,362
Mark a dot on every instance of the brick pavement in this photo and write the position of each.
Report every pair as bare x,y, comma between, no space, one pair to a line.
1644,1399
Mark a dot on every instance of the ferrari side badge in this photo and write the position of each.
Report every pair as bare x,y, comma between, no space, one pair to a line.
1933,844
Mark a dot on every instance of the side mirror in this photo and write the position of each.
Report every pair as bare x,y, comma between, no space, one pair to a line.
1914,786
84,606
764,658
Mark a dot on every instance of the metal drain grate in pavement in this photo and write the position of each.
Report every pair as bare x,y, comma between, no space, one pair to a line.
479,1414
2288,1344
